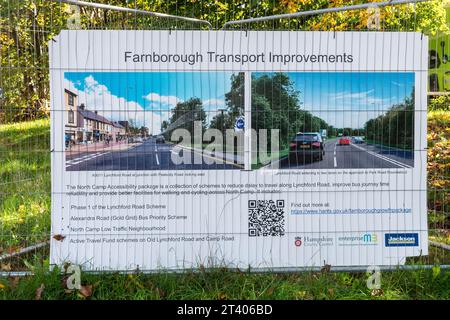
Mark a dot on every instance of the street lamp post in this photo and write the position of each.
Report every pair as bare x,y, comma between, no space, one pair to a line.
222,110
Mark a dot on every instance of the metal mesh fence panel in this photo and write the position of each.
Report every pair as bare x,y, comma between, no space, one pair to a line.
26,26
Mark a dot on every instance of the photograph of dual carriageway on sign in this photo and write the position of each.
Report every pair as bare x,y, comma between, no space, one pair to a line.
333,120
153,120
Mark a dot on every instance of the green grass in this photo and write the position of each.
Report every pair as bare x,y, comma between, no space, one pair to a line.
24,183
25,220
393,146
225,284
271,157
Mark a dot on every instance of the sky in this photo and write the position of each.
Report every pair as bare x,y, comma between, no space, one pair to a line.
349,99
147,97
342,99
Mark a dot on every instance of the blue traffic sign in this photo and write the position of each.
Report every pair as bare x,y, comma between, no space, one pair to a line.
240,123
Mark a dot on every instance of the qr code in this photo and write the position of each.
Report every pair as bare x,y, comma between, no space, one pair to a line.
266,218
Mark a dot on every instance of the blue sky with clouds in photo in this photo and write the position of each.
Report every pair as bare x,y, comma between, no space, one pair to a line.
349,99
343,99
158,90
156,93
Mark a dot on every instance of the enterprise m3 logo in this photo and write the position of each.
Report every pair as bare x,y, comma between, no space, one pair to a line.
401,239
361,239
370,238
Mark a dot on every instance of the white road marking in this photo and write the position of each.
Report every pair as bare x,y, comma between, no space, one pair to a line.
156,155
85,156
72,162
217,160
335,161
398,163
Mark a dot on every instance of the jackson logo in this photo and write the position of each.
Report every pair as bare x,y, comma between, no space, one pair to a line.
401,239
298,241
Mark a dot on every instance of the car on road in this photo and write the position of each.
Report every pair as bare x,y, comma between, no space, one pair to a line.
344,141
307,145
160,139
357,140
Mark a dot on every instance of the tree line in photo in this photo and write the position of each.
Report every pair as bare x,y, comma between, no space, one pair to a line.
134,129
394,128
185,113
276,105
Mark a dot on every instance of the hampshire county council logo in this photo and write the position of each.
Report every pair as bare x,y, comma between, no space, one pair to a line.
401,239
313,241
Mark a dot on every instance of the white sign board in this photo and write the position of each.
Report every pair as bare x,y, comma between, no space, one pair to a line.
149,172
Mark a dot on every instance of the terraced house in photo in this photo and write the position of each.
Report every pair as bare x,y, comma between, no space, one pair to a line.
84,126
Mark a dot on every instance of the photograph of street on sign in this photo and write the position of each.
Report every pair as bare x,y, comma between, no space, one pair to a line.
152,120
334,120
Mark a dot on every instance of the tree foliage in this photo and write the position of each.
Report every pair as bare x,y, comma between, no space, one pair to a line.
395,128
234,100
186,113
28,25
438,165
427,16
276,105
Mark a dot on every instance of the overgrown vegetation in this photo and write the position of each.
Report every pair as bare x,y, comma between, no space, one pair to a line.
224,284
439,174
28,25
24,184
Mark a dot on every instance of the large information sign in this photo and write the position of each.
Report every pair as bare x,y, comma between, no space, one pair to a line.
180,149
